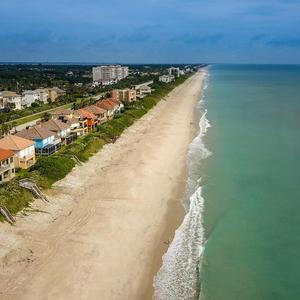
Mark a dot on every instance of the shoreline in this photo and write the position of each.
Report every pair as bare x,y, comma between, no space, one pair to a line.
110,225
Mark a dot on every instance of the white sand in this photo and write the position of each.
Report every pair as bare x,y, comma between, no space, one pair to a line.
104,233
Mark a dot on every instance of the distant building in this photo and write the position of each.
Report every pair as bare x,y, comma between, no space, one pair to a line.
109,74
143,89
12,99
23,150
7,165
125,95
55,92
44,95
166,78
29,97
174,71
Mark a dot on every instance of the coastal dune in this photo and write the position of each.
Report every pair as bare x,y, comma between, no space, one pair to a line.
109,221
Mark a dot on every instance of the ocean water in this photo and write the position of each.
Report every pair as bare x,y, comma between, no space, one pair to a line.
240,238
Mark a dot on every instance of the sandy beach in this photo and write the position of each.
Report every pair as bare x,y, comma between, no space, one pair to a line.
109,221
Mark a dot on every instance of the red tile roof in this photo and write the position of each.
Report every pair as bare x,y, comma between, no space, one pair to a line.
86,114
4,154
107,104
95,109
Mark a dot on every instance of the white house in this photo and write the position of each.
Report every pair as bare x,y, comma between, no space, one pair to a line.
166,78
29,97
174,71
143,89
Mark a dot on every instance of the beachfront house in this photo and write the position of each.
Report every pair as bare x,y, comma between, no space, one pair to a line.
23,150
99,112
174,71
76,126
166,78
7,165
125,95
143,89
89,118
61,129
112,107
77,123
46,142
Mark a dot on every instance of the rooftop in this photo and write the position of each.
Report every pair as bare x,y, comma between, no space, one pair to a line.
85,114
107,104
4,154
8,94
15,143
95,109
54,125
34,133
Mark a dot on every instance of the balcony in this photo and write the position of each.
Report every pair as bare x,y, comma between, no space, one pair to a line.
4,167
26,161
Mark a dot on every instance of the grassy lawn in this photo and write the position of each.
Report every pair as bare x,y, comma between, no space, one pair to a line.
36,116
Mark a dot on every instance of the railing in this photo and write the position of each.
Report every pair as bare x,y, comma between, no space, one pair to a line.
4,168
24,159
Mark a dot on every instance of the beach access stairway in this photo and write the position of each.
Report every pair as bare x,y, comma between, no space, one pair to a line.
74,157
31,186
7,215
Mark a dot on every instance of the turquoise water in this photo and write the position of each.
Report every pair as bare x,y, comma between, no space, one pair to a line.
251,184
240,238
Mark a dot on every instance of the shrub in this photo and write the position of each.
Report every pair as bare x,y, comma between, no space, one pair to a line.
14,197
53,168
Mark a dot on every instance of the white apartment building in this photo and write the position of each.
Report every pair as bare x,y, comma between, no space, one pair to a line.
109,74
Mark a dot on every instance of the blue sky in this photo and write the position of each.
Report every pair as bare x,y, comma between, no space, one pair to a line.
153,31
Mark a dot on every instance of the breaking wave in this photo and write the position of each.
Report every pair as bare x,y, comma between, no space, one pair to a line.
178,277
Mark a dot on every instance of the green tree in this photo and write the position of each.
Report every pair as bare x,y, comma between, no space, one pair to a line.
46,117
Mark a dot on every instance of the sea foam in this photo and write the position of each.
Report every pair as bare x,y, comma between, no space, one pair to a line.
178,277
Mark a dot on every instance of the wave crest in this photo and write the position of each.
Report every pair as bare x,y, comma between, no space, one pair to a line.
178,277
